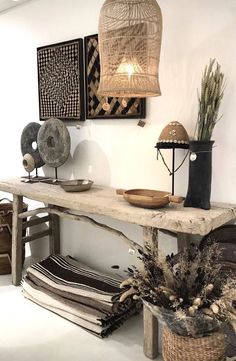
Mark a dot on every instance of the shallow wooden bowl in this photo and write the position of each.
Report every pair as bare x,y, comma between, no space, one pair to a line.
145,198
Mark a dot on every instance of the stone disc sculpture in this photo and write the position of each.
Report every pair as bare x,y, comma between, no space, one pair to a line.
29,143
54,142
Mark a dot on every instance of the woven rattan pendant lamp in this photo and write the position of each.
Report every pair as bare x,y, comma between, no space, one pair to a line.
130,34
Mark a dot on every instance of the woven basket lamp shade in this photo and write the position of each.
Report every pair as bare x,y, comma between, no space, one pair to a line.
130,34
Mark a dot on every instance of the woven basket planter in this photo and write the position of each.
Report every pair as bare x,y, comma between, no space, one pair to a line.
179,348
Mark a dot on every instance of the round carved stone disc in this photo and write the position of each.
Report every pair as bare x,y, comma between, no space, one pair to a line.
54,142
29,143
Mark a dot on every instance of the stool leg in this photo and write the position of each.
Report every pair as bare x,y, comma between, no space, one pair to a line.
17,240
150,323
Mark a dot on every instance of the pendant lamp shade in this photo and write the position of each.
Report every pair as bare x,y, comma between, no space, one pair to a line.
129,36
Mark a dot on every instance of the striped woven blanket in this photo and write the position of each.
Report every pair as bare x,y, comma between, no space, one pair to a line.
76,292
66,274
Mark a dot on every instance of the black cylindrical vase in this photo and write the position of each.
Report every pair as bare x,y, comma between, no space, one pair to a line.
200,171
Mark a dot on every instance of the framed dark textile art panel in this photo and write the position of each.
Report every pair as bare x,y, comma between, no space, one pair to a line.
102,107
61,80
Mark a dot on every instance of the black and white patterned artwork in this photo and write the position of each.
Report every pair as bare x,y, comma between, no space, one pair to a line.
61,81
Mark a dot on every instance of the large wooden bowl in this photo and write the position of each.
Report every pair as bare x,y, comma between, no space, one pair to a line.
147,198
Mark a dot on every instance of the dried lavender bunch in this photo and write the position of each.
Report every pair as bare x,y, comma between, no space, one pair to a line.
212,91
191,284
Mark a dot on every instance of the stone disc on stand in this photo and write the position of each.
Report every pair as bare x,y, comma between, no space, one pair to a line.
54,142
29,143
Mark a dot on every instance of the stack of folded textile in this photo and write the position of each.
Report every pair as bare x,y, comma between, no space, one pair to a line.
76,292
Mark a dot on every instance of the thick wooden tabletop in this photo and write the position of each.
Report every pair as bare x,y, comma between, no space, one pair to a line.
104,201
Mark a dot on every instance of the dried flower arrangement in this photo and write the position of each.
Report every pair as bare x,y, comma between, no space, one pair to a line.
191,293
212,91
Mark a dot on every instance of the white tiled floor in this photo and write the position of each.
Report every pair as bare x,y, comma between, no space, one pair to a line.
31,333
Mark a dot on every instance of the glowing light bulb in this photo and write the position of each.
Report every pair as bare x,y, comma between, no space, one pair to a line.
129,67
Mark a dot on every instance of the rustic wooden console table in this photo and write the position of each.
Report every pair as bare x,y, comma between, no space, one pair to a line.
103,201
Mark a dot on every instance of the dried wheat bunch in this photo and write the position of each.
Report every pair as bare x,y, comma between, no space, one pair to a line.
212,91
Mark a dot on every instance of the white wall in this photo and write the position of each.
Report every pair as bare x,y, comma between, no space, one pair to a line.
118,153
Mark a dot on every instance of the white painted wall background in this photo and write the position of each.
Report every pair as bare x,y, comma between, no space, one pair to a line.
118,153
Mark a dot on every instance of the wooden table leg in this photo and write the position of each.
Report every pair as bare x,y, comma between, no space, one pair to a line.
17,240
150,323
54,237
183,241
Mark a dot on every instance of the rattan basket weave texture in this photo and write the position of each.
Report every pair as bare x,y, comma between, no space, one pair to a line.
179,348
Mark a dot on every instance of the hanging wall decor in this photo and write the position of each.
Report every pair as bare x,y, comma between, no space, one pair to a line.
130,33
61,80
98,106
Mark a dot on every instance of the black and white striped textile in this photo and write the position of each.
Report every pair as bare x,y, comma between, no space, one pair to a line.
78,293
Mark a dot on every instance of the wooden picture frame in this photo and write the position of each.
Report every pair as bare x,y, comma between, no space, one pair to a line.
99,107
61,81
